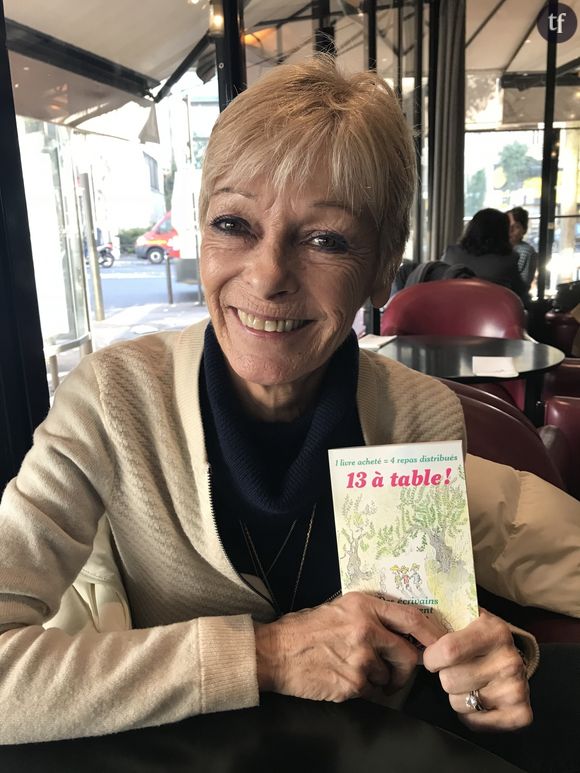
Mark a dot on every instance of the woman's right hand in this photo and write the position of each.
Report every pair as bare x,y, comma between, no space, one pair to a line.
352,647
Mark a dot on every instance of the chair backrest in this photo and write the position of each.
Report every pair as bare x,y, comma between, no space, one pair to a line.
564,412
499,432
561,329
564,380
455,307
503,403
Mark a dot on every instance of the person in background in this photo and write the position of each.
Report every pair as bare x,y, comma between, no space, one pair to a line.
527,255
485,248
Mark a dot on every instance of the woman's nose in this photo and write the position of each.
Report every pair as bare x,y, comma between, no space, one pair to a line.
270,270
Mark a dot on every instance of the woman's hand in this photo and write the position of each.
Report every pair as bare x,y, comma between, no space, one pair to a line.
483,657
349,648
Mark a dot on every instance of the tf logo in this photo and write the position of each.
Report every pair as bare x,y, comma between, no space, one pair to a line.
563,22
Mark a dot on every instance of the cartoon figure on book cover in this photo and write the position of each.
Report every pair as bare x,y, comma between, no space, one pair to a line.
407,580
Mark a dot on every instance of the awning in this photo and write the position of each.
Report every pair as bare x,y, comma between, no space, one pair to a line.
74,60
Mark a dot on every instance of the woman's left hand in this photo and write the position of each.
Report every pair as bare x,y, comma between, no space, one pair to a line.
483,657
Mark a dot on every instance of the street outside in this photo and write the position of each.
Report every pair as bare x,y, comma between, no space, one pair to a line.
135,301
134,282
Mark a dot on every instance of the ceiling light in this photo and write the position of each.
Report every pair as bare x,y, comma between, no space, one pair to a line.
217,22
216,19
256,38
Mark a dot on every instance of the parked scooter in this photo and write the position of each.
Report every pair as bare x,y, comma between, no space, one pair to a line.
105,253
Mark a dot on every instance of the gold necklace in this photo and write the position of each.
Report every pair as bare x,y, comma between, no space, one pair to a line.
260,569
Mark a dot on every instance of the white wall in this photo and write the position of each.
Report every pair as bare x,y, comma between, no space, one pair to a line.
123,197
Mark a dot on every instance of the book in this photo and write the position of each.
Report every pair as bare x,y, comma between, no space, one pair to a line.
402,527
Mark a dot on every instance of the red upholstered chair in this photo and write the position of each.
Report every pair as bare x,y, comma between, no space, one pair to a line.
561,397
499,432
559,449
455,307
561,329
563,380
556,444
563,412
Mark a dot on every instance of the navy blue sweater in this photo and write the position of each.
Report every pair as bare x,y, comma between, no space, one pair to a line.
267,475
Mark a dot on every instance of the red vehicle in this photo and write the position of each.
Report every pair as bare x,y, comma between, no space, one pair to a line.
155,244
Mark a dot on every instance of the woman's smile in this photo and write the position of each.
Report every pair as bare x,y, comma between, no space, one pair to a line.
269,324
256,322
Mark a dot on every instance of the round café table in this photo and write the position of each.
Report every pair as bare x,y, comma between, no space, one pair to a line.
283,735
451,357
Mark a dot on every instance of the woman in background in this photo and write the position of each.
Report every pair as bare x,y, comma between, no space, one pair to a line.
485,248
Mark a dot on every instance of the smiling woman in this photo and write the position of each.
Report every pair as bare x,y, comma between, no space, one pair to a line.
306,188
210,463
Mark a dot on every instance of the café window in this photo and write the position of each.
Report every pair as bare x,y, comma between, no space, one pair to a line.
153,167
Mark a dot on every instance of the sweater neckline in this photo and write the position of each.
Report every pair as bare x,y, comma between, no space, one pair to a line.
247,447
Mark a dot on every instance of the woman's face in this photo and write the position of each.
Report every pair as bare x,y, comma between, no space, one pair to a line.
284,275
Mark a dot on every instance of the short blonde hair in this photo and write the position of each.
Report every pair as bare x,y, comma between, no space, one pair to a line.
300,116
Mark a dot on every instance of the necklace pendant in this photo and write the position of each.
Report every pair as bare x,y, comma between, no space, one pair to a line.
264,575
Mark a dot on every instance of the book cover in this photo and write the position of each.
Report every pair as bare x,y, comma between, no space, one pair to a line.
402,526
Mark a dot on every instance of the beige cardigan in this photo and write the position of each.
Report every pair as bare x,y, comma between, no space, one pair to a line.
125,437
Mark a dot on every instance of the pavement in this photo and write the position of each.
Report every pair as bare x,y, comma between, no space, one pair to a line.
149,318
131,322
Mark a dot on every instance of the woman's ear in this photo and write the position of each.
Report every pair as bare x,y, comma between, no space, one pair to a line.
381,290
380,295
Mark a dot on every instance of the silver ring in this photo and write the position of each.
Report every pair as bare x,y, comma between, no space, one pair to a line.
473,701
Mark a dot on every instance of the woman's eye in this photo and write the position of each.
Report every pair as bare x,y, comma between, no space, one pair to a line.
231,225
329,242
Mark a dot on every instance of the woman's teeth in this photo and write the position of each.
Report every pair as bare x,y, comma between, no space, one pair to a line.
269,325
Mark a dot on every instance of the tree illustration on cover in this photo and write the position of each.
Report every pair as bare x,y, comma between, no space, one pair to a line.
358,530
433,522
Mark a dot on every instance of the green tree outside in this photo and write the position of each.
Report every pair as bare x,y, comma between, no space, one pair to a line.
475,193
517,165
